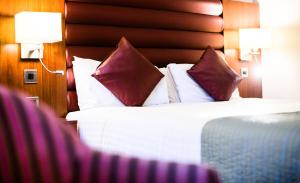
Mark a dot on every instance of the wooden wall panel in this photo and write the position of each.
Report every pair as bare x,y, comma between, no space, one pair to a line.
241,15
50,88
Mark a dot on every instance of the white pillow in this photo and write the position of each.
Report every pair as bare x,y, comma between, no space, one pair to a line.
172,92
159,94
235,95
91,93
188,90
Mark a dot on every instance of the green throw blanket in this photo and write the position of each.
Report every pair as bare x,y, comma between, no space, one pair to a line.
262,148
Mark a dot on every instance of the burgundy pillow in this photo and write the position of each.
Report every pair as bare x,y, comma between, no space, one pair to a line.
214,75
128,74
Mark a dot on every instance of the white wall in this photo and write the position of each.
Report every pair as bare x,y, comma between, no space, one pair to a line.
281,63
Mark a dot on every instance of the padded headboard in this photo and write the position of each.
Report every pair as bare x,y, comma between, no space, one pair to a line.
165,31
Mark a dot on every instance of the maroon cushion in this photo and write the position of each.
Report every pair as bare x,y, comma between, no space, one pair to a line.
128,74
214,75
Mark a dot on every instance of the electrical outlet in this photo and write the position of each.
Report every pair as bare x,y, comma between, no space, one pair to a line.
34,99
30,76
244,72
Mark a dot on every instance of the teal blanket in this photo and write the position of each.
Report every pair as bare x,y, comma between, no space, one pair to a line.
262,148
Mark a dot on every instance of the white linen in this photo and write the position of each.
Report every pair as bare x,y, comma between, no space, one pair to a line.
235,95
172,92
159,94
168,132
91,93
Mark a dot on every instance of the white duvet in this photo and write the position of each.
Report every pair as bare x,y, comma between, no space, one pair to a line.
167,132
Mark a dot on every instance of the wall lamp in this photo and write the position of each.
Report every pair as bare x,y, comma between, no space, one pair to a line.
251,40
33,29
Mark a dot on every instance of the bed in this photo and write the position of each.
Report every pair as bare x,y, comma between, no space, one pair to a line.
246,140
171,132
166,32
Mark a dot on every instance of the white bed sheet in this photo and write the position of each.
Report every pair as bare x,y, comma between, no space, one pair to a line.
167,132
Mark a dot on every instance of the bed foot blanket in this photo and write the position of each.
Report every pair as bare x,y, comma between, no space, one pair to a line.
262,148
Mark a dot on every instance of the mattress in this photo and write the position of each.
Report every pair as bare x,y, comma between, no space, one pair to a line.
169,132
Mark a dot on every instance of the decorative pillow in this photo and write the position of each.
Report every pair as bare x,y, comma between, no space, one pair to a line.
128,74
215,76
188,90
92,93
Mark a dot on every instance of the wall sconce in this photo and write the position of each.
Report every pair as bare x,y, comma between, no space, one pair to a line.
32,29
251,40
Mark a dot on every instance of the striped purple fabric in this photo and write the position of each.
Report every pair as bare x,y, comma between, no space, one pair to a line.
35,147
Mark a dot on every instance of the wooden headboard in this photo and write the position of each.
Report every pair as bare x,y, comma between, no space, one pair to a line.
164,31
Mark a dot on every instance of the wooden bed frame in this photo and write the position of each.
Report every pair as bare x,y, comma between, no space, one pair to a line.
168,31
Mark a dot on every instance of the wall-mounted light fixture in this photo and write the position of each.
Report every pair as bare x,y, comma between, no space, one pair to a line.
32,29
251,40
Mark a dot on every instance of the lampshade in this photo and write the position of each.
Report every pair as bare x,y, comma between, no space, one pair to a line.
254,38
38,27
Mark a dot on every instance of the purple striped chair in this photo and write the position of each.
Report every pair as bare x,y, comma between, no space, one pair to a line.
35,147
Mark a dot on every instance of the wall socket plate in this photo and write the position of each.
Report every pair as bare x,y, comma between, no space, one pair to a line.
30,76
244,72
35,100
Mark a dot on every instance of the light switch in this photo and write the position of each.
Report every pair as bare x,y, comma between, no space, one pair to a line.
244,72
30,76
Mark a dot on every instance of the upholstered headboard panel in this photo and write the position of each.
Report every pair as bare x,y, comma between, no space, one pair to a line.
165,31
